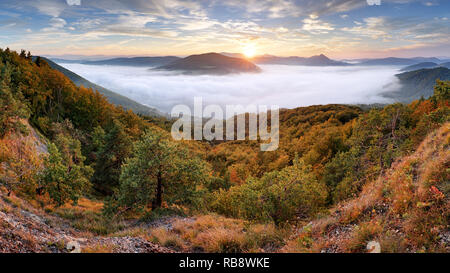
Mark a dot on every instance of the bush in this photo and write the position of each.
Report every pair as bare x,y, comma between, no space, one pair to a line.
278,196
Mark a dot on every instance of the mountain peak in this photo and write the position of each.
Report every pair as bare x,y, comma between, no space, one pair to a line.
320,57
211,63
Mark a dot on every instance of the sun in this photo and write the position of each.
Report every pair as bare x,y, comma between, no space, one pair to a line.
249,51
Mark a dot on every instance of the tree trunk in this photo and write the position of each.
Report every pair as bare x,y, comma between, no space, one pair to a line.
158,202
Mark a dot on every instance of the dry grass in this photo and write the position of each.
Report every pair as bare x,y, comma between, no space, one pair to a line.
214,233
85,204
132,232
100,248
362,234
91,221
166,238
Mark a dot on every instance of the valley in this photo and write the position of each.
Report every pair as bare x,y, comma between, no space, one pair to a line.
76,168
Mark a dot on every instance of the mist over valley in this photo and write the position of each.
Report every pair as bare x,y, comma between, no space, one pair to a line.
282,85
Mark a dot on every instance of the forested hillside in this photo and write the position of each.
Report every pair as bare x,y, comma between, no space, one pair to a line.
69,153
418,83
112,97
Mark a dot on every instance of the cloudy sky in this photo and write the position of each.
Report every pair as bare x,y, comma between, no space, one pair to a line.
338,28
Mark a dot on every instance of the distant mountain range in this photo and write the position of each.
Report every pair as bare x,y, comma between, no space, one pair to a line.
134,61
390,61
398,61
211,63
424,66
112,97
418,83
319,60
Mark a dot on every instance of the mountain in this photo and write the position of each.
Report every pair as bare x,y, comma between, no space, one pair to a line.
446,65
211,63
391,61
65,61
399,61
234,55
319,60
135,61
419,66
418,83
112,97
427,59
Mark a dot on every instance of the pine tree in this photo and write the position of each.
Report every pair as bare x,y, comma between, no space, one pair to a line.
159,170
65,176
113,147
11,110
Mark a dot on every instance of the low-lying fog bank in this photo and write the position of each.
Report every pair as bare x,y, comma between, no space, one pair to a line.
285,86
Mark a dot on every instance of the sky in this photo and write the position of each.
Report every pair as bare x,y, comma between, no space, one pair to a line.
340,29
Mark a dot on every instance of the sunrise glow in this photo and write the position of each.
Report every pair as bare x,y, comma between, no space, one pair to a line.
249,51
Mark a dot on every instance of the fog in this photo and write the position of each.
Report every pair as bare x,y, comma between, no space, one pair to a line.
285,86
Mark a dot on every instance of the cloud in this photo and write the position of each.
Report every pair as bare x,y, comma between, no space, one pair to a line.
130,24
373,27
55,23
73,2
89,23
197,24
48,7
316,26
283,8
403,29
286,86
279,26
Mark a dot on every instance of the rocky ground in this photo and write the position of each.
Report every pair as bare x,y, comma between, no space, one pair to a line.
24,229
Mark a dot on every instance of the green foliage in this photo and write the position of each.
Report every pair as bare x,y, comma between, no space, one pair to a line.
441,91
278,196
65,177
113,146
160,167
11,109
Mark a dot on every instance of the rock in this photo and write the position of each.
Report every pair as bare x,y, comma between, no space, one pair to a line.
373,247
73,247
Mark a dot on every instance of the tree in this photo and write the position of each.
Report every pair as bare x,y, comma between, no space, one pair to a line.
11,110
19,164
441,91
65,177
276,196
159,169
112,147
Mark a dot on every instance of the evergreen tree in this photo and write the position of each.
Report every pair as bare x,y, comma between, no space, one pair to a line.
65,176
159,170
11,110
113,146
